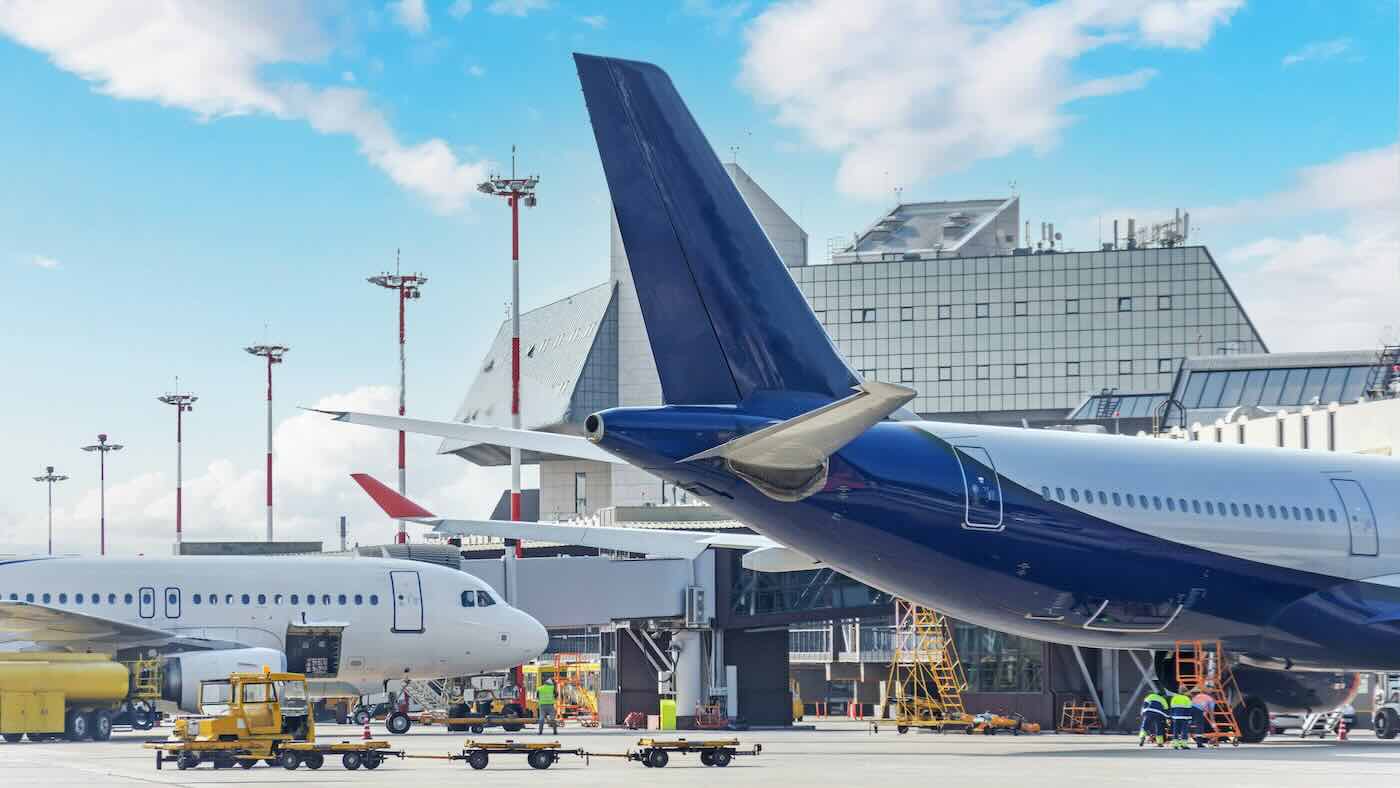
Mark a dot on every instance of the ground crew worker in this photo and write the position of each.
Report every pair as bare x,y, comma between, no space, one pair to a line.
1181,711
1202,704
1154,719
544,696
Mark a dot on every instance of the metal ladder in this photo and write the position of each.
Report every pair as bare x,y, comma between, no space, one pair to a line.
1386,370
1201,667
430,695
926,677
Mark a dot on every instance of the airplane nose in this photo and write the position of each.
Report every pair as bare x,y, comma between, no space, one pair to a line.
535,638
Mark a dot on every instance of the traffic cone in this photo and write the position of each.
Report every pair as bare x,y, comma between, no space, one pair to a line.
366,735
1342,729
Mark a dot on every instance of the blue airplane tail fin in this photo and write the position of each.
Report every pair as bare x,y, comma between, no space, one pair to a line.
724,317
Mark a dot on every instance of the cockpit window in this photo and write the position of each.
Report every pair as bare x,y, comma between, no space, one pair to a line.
468,599
484,599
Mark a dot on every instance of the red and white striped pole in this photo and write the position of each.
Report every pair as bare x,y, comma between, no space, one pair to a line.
182,403
515,360
102,447
402,537
273,354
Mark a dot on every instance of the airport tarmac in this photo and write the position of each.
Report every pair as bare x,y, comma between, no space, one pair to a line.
835,754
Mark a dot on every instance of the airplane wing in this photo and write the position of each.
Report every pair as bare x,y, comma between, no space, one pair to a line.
767,555
41,624
529,440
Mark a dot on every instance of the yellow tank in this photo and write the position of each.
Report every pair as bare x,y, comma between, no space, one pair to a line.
82,678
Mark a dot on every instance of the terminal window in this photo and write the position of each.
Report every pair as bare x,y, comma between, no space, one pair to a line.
1022,308
984,310
1071,306
998,662
1164,302
1023,370
984,371
1125,304
1125,367
580,493
945,373
906,375
906,313
945,312
1072,369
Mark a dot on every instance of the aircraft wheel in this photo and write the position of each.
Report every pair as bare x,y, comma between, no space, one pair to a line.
101,725
289,760
313,760
1253,717
398,723
361,716
657,759
540,759
478,759
722,758
351,760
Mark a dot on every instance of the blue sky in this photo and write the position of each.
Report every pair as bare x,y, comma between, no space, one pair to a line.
175,184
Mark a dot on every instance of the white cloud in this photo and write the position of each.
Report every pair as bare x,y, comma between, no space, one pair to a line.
44,262
518,7
224,500
459,8
722,15
952,82
595,21
1318,50
411,15
347,76
1324,290
208,57
476,71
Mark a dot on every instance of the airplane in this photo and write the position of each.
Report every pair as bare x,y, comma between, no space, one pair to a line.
351,624
1290,558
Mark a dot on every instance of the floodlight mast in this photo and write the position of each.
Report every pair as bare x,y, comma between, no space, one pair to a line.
49,478
409,287
273,354
102,447
514,190
182,403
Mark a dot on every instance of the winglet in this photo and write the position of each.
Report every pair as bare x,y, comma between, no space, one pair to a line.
393,504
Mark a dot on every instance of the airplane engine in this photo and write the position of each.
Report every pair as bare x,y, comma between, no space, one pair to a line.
182,673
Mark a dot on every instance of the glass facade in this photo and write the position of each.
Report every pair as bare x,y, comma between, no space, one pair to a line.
1272,387
597,384
1120,406
765,593
1026,332
997,662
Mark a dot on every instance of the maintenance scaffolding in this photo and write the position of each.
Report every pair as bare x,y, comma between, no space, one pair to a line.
926,679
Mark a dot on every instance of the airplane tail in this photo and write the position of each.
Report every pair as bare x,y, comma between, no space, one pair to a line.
724,317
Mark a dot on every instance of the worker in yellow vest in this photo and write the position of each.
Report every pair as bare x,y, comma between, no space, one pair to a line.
1154,720
1182,712
544,697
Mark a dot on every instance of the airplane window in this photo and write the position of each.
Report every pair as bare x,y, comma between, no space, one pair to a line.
1131,503
374,599
1273,514
1259,511
14,597
1117,500
294,599
1074,495
1332,515
1171,504
340,599
126,598
276,599
228,599
468,599
195,599
262,599
95,599
1283,512
1142,499
246,599
1296,514
29,597
1045,493
213,599
111,599
1321,518
325,599
47,598
1246,510
359,599
1156,503
63,598
1220,508
1088,496
1195,506
78,599
1307,512
1103,499
1060,493
310,599
1234,509
484,599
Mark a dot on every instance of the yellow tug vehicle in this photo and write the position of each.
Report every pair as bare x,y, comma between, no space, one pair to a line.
252,717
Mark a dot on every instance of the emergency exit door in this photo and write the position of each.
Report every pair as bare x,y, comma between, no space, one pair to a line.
1361,519
408,601
981,488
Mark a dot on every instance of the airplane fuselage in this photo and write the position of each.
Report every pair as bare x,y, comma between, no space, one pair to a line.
1287,556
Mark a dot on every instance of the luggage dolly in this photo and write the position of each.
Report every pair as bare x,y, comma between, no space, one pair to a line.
656,753
540,755
288,755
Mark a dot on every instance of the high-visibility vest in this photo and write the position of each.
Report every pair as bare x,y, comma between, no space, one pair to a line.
545,694
1153,697
1180,702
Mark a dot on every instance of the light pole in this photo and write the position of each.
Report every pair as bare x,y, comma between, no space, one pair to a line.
514,190
409,287
102,447
182,403
50,477
273,354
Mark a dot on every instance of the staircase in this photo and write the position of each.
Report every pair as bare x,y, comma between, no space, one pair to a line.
1201,667
431,696
1385,372
926,678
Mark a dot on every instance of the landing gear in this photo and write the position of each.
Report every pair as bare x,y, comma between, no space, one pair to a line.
1253,718
1387,723
361,716
398,723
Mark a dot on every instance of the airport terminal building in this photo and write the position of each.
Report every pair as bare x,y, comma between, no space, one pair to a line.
951,299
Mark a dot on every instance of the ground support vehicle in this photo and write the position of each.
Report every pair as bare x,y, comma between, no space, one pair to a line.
656,753
540,755
252,717
75,696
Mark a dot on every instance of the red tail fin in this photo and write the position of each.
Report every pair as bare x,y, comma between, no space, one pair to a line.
393,504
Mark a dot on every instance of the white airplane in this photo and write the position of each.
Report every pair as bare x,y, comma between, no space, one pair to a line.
350,624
